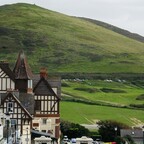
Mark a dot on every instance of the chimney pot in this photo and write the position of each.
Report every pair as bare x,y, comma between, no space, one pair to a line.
43,73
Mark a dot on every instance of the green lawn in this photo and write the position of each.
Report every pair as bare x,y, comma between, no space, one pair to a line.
119,93
89,114
126,95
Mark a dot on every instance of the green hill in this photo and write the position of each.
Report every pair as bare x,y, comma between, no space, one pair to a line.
65,44
116,29
88,101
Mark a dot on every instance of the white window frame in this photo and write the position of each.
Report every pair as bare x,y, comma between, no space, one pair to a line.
10,106
44,121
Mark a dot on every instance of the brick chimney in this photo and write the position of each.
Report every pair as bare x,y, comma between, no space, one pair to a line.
43,73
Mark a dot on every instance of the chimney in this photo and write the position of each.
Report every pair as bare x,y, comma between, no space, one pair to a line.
43,73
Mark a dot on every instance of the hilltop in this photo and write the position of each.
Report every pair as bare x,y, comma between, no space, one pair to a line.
66,44
116,29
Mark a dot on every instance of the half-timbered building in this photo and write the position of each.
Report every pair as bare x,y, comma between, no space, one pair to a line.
32,100
7,78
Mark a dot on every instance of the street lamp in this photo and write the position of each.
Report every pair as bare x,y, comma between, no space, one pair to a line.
133,131
115,131
7,115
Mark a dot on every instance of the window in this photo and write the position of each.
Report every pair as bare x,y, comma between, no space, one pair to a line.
29,83
44,121
13,127
10,107
38,105
44,131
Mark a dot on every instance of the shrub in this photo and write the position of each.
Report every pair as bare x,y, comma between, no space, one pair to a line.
89,90
108,90
107,129
137,105
140,97
64,84
73,130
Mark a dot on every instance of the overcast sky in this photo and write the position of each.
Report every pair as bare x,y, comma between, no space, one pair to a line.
127,14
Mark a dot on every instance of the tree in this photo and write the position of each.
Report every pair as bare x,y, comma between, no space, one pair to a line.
128,139
119,140
73,130
109,129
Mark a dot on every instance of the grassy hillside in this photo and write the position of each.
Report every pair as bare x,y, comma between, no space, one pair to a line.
104,92
116,29
90,114
89,101
65,44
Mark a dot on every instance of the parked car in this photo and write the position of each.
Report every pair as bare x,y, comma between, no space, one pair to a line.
73,140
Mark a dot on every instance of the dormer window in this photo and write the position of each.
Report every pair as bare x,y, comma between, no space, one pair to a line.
10,107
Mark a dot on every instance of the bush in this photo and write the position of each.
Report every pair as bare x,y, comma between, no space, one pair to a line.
73,130
140,97
107,129
119,140
64,84
129,139
137,105
89,90
108,90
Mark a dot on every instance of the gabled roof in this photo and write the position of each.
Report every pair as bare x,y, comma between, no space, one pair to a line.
44,88
18,102
5,67
27,100
22,69
53,81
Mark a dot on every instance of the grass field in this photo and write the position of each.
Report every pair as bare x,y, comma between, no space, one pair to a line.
89,114
103,92
120,93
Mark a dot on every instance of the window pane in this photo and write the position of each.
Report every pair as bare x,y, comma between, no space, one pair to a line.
10,106
44,121
37,105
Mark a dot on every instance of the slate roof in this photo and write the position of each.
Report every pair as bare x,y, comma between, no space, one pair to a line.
53,81
22,69
44,88
5,67
19,101
26,100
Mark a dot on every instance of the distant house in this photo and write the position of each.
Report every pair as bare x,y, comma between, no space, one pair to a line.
31,100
